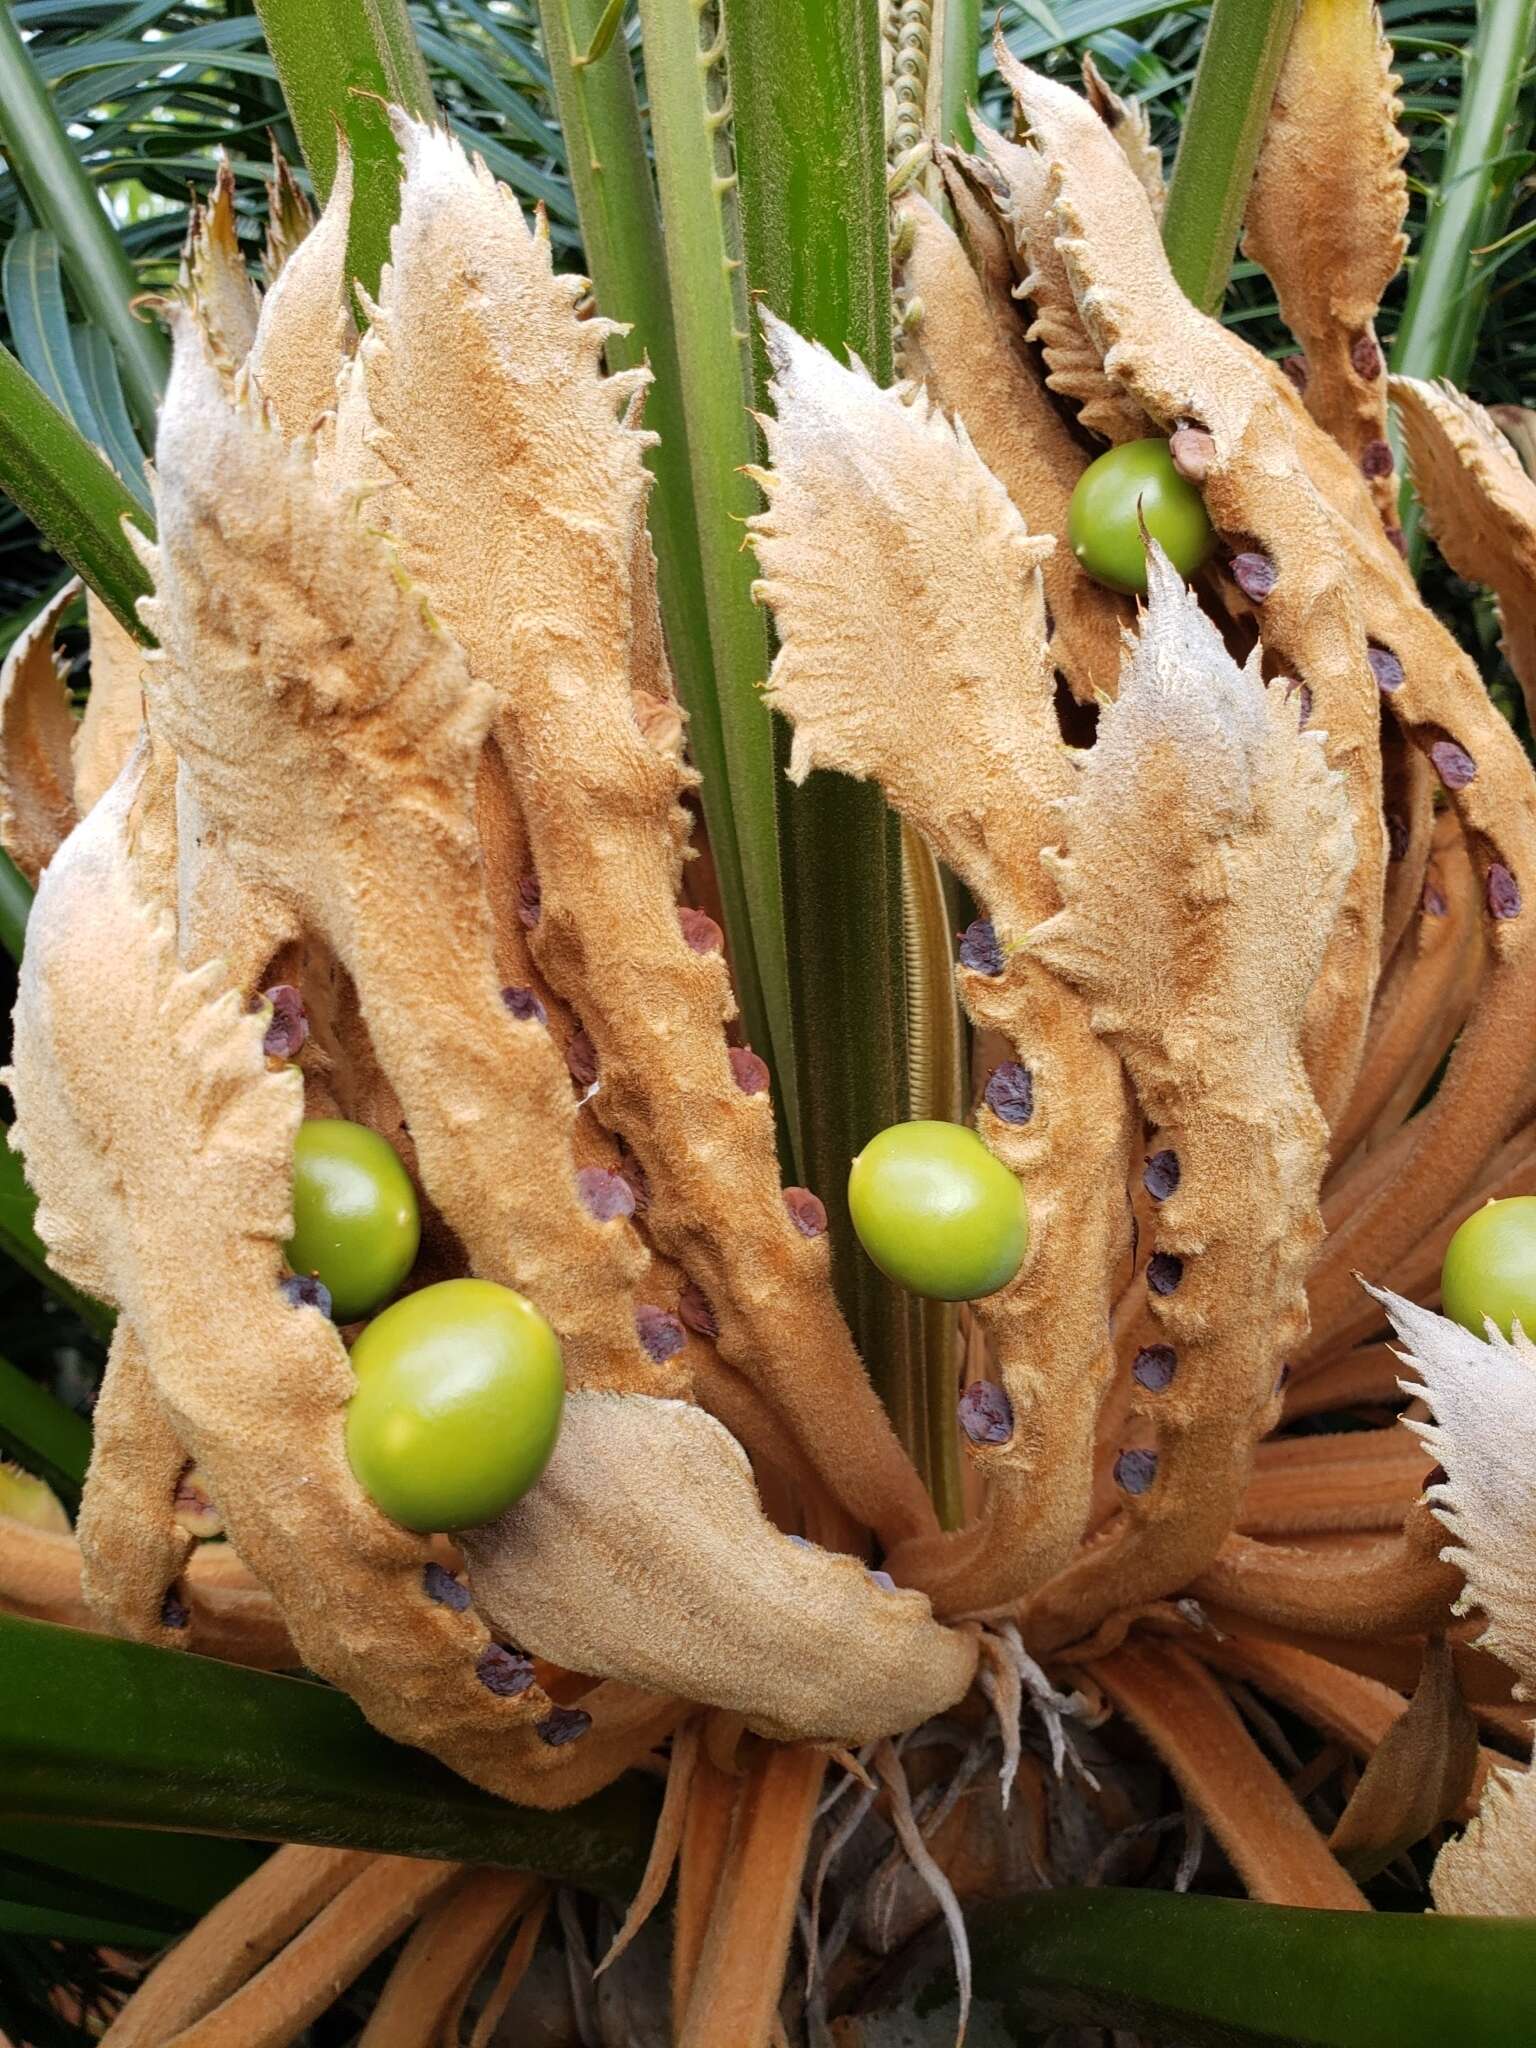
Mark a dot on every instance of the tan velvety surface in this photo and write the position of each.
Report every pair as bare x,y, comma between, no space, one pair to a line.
37,728
1333,131
1198,968
305,328
1181,366
648,1507
528,554
943,664
968,348
169,1166
1478,503
213,272
114,709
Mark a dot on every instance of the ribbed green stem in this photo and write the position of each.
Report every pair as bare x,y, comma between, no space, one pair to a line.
626,258
64,200
958,54
339,62
810,145
99,1730
15,906
686,87
1240,62
68,493
1224,1973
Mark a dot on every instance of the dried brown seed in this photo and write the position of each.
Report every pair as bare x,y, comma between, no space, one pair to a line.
605,1194
581,1059
525,1005
503,1671
979,948
1154,1366
986,1413
1377,459
661,1335
1164,1272
1135,1470
700,930
806,1211
1160,1175
1254,575
289,1027
693,1306
749,1072
1502,891
444,1588
1010,1093
1453,764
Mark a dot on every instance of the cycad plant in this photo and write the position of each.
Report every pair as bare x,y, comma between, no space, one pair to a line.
543,733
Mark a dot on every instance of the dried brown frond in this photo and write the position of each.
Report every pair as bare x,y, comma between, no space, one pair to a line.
1418,1777
214,279
289,216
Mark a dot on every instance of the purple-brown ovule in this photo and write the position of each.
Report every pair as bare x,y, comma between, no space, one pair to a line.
807,1212
174,1612
530,901
1164,1272
979,948
1193,451
986,1413
1501,891
1160,1175
1254,574
661,1335
1385,667
1154,1366
525,1006
1454,765
693,1306
1433,898
1010,1093
1366,357
444,1588
561,1725
288,1026
581,1059
504,1671
699,929
1135,1470
1295,368
604,1194
748,1071
303,1290
1377,459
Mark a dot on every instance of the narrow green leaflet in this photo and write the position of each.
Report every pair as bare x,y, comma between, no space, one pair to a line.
40,1433
63,198
99,1730
103,387
15,906
31,280
19,1240
68,492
